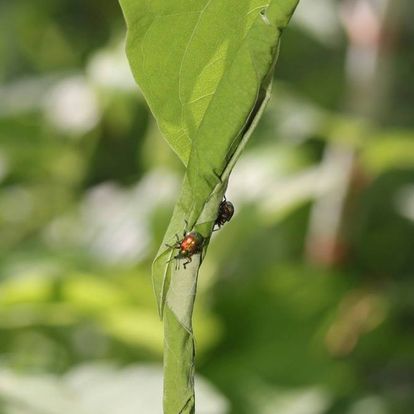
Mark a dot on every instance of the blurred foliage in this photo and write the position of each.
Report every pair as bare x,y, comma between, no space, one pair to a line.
86,190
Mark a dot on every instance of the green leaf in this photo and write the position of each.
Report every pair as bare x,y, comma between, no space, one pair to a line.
205,68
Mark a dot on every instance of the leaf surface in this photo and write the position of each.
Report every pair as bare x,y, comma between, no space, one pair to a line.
205,68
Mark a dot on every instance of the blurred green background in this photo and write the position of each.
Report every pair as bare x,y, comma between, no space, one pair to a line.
306,298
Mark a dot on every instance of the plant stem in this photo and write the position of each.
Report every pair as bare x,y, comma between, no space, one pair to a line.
179,351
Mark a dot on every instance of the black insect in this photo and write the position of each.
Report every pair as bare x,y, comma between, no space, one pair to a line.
225,213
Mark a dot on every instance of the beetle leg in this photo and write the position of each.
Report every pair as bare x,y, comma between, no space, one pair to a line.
185,228
176,245
173,246
189,260
172,258
176,262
